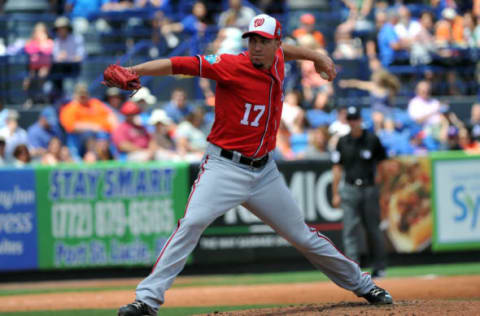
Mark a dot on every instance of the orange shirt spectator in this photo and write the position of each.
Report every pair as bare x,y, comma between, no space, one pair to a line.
85,114
307,27
449,30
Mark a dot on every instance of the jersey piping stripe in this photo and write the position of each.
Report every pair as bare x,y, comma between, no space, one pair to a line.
200,65
202,170
268,119
333,245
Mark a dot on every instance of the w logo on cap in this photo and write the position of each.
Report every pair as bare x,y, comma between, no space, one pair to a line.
258,22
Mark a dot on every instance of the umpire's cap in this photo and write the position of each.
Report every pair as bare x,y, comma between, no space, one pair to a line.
265,26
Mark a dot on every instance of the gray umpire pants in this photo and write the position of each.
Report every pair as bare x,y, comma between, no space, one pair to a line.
360,206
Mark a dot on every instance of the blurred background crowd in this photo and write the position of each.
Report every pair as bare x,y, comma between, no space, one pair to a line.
411,66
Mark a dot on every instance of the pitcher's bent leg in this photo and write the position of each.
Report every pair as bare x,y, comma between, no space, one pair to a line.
205,204
284,216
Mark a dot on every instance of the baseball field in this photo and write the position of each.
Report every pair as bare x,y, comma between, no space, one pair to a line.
452,289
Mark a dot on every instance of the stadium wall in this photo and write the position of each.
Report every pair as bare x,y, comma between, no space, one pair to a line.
120,215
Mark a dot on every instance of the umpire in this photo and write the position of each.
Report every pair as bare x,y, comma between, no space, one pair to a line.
358,155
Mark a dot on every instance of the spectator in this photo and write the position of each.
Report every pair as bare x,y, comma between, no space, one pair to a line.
130,137
158,5
320,115
80,11
56,152
467,142
98,148
114,99
39,49
193,24
391,49
21,156
3,115
116,5
291,108
347,46
85,117
383,86
417,144
423,47
474,121
307,26
299,135
452,142
469,30
146,101
237,16
338,128
425,110
449,30
162,141
190,139
312,82
396,143
13,134
178,108
317,144
476,30
228,41
359,14
68,54
407,29
41,132
283,150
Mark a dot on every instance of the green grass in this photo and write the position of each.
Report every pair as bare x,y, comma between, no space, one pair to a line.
172,311
274,278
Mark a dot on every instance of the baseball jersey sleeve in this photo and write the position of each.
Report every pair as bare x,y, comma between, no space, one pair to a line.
220,68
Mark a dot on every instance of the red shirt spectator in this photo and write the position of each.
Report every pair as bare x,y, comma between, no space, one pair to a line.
129,131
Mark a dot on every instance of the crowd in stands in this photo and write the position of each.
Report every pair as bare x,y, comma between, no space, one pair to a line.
442,36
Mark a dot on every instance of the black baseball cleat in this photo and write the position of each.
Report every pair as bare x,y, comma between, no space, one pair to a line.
378,296
137,308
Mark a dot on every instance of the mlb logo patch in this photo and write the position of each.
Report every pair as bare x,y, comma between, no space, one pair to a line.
212,59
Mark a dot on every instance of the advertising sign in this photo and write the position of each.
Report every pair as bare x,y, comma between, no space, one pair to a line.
108,214
18,221
457,201
405,203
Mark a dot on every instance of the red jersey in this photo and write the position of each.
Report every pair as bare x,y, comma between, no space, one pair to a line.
248,101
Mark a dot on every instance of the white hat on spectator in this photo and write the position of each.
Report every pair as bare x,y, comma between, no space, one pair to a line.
145,95
449,13
12,115
159,116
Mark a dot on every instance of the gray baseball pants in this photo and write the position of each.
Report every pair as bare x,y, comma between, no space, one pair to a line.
360,207
223,184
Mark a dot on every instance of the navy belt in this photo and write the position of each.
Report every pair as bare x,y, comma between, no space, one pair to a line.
256,163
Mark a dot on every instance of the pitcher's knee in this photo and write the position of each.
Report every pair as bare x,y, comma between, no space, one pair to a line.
195,223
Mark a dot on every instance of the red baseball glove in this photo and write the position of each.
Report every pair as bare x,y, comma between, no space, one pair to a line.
121,77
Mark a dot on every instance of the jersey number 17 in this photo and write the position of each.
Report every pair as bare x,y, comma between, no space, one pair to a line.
259,109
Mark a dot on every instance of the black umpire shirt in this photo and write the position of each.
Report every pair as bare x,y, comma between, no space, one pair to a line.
359,157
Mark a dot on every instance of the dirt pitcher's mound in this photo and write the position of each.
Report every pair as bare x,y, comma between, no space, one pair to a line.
410,295
401,308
